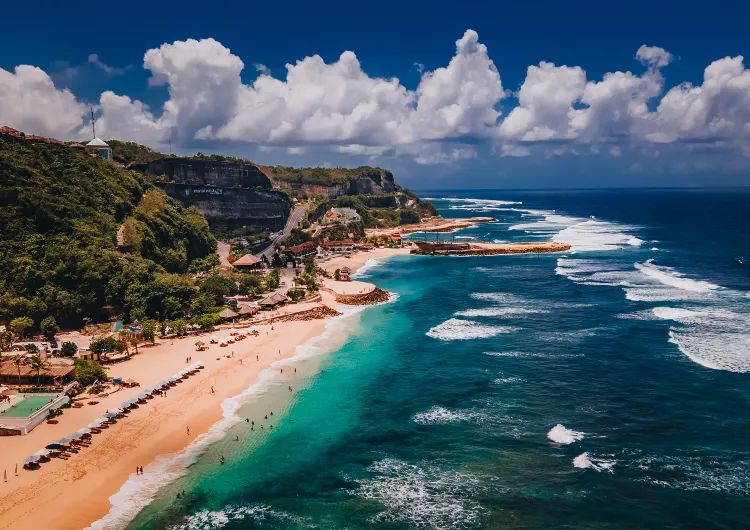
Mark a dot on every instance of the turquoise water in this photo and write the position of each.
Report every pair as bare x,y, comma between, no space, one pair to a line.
606,387
28,406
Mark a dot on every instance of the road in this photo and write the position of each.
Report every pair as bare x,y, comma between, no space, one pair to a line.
293,222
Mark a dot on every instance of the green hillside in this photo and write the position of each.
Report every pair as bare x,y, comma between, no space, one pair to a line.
60,211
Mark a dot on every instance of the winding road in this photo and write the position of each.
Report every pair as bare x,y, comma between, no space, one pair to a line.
292,222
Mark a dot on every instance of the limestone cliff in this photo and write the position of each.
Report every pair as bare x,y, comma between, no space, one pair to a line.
235,197
331,183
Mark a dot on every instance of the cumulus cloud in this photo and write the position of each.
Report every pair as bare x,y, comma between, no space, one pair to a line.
29,101
336,106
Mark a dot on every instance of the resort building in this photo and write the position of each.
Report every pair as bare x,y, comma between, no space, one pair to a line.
248,262
246,309
303,249
52,375
364,246
339,246
228,314
345,274
99,148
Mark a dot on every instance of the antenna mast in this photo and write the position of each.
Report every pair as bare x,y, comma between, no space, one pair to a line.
93,126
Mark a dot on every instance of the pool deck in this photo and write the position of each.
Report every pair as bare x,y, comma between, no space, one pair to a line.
23,424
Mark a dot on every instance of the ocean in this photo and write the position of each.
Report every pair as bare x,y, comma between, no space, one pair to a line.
606,387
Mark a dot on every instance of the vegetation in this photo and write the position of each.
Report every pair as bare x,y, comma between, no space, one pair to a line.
60,211
107,344
297,237
20,326
68,349
49,328
132,153
295,294
322,176
87,372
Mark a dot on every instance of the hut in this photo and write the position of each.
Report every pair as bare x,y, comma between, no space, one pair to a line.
248,262
345,274
272,300
247,309
100,148
228,314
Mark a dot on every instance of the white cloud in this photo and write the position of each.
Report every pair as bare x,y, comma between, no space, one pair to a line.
30,102
111,70
338,107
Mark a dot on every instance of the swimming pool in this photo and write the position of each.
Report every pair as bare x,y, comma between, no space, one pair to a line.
28,406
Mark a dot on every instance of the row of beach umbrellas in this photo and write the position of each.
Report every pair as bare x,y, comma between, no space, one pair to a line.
123,408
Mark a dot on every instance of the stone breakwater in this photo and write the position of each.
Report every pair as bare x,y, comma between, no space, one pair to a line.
376,296
487,249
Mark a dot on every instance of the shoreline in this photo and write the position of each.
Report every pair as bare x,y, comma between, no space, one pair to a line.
91,487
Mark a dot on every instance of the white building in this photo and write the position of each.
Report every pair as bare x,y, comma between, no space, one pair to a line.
100,148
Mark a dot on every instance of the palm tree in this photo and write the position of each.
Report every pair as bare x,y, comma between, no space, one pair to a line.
126,338
37,363
18,361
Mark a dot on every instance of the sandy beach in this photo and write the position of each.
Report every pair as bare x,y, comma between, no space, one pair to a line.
73,494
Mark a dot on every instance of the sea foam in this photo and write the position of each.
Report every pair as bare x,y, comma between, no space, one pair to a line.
459,329
587,461
562,435
442,416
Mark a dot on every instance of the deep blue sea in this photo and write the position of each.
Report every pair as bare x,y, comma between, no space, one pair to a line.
606,387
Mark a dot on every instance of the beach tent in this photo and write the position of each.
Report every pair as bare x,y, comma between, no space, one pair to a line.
32,459
54,447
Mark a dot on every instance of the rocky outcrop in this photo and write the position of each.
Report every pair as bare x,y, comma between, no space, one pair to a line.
487,249
316,313
376,296
370,182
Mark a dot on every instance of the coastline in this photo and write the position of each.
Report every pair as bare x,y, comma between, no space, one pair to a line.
85,487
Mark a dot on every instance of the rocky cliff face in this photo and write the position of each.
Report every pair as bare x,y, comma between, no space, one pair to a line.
234,197
199,172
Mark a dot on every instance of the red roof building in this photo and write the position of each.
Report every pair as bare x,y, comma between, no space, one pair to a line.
308,247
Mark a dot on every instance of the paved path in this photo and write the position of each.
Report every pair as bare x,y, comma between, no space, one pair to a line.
293,222
222,249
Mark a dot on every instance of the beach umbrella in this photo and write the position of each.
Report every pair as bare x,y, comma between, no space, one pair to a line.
95,424
101,420
110,415
31,459
63,441
83,431
54,447
73,436
142,395
42,452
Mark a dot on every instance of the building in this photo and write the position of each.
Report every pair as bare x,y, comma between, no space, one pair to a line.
345,274
364,246
248,262
344,215
99,148
272,300
228,314
396,238
345,245
51,375
303,249
246,309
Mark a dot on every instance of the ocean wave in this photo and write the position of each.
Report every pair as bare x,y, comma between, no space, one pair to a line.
532,354
587,461
499,312
217,519
366,267
597,236
562,435
672,278
505,380
714,338
503,298
442,416
719,473
139,490
423,495
458,329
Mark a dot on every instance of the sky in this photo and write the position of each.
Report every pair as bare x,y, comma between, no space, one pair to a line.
483,95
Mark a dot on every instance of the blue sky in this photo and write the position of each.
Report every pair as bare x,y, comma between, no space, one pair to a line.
543,145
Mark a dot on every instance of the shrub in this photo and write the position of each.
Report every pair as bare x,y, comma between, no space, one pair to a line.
68,349
89,371
49,327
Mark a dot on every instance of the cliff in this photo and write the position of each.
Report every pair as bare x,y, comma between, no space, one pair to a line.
331,183
234,196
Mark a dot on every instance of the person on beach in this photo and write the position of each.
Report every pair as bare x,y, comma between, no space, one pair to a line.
141,470
188,431
137,470
240,362
282,370
236,438
247,420
290,389
212,390
256,357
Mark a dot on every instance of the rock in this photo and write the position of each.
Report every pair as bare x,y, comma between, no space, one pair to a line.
376,296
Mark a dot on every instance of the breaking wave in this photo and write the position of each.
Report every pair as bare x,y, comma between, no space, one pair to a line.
459,329
587,461
499,312
562,435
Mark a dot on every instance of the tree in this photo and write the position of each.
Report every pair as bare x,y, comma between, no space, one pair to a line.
20,325
68,349
207,321
148,330
295,294
18,361
272,279
49,328
337,274
309,266
89,371
106,344
178,327
37,363
32,348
